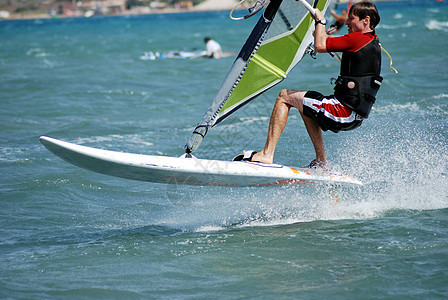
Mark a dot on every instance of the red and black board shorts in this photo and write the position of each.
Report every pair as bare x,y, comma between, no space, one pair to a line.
329,113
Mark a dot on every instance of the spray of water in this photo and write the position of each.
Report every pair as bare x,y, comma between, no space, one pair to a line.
403,167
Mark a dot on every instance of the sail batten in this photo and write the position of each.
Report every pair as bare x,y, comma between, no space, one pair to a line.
276,44
268,66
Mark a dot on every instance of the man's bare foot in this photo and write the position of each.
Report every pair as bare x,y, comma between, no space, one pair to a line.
260,157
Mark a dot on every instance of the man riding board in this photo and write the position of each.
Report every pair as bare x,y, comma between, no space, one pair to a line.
355,89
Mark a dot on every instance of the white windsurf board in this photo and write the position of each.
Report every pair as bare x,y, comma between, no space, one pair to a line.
189,171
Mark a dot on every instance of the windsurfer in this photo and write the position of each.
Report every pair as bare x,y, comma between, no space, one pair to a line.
339,21
213,48
355,88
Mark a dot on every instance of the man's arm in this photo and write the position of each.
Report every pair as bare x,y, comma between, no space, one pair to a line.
320,35
334,14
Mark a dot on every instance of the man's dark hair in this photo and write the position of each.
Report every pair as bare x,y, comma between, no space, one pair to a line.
364,9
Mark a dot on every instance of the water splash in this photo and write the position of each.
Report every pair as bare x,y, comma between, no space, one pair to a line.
403,168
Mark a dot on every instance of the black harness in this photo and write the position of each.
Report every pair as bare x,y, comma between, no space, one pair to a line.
360,78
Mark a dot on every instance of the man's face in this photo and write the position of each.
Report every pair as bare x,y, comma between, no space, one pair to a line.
354,24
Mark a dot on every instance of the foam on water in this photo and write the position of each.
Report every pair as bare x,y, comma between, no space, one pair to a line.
408,24
437,25
113,139
402,168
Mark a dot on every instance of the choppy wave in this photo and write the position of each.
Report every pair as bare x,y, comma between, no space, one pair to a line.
441,96
411,107
10,154
408,24
129,138
437,25
37,52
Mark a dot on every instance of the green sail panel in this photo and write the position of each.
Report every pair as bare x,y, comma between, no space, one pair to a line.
276,44
269,65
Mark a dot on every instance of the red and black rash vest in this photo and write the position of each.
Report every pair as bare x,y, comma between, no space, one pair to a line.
360,79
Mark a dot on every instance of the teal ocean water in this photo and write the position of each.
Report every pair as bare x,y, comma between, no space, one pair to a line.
67,233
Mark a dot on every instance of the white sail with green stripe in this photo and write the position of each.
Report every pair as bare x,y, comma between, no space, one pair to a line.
276,44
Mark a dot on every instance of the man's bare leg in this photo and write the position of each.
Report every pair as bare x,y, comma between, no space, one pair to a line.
315,133
285,100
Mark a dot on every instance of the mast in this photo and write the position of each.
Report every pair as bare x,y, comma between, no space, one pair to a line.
234,76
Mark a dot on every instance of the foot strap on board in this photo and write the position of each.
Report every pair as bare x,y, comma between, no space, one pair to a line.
246,156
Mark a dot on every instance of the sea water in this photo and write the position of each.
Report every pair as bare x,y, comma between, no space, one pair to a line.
69,233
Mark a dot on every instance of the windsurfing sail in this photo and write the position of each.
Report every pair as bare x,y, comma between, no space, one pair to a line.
277,43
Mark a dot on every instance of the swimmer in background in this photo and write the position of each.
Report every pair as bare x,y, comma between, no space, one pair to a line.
339,21
213,48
